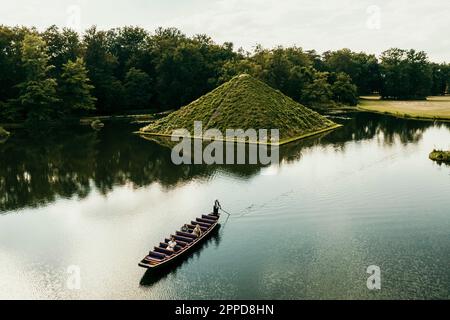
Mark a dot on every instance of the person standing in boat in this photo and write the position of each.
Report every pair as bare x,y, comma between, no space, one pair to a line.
216,208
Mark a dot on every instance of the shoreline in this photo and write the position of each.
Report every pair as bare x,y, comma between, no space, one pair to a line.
435,108
282,142
404,115
138,118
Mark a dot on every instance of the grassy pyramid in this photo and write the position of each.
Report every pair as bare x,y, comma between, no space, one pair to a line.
245,103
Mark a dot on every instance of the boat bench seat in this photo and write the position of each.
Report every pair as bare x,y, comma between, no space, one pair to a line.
203,228
185,234
157,255
205,225
207,221
165,251
181,238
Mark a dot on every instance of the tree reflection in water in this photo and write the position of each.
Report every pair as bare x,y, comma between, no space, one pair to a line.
37,167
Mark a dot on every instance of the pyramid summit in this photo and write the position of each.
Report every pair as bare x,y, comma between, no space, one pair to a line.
245,103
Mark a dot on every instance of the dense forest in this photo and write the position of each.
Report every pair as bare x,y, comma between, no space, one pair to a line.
57,73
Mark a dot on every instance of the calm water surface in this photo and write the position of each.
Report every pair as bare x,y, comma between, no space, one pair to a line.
362,195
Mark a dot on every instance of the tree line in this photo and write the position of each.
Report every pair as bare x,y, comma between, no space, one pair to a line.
59,73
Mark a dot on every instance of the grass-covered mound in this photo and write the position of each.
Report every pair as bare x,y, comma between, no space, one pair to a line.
439,155
245,103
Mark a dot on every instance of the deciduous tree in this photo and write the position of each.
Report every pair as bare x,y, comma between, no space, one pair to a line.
75,88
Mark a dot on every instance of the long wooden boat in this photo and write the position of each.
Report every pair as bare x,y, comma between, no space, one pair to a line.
186,241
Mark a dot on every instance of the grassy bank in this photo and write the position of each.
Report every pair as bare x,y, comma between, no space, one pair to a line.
138,118
433,108
151,136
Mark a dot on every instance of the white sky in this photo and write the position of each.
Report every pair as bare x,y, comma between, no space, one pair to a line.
361,25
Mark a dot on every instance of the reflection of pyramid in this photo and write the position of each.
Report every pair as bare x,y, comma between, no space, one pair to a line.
245,103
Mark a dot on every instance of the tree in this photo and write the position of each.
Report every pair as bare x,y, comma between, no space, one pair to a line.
38,92
63,45
441,78
361,67
137,88
11,70
344,91
318,92
299,79
237,66
130,46
278,64
101,65
130,68
406,74
75,88
185,68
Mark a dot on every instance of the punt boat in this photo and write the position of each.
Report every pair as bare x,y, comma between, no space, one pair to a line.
186,241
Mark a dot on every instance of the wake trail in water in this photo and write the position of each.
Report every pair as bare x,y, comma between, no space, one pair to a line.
292,194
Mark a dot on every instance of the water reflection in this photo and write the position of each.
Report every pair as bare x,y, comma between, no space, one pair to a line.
38,167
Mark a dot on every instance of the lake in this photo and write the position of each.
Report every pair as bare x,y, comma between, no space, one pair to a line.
78,201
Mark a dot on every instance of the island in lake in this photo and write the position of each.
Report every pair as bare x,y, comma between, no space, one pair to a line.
245,103
440,156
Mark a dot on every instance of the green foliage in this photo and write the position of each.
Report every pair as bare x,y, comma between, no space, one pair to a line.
132,68
63,45
3,133
344,91
185,68
318,91
407,74
362,68
440,155
441,78
244,103
97,124
101,64
75,88
137,88
11,71
278,65
292,71
238,65
37,97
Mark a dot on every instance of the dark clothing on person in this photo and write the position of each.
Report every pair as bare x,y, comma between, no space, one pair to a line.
216,208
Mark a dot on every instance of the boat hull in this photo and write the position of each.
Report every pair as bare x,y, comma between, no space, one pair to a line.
182,253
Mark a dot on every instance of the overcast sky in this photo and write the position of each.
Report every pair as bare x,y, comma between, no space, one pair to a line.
361,25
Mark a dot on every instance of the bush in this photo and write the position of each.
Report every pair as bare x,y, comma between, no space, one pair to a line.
4,133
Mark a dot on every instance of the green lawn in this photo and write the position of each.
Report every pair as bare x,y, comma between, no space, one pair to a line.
432,108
